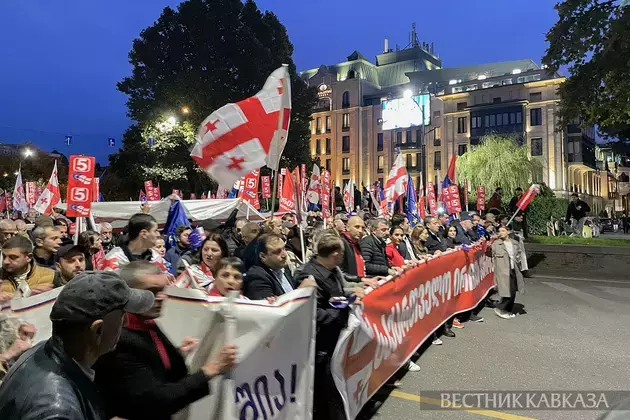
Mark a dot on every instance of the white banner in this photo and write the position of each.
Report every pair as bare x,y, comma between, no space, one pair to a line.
273,379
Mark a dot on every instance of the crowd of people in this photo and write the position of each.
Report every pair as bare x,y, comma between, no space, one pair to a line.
108,358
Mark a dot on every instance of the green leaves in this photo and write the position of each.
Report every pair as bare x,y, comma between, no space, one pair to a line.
498,162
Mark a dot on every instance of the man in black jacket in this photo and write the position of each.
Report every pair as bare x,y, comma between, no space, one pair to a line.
577,210
331,320
373,249
54,380
435,243
146,377
269,276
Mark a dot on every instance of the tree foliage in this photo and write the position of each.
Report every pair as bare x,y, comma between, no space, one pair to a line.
592,38
498,162
203,55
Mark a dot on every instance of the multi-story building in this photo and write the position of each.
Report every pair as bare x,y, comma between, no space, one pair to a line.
355,136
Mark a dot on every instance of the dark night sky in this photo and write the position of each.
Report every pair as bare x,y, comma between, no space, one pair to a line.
59,65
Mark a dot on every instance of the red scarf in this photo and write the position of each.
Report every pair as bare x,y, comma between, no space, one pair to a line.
357,255
140,323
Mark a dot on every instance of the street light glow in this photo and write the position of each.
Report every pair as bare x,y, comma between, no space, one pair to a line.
172,120
16,173
185,110
28,153
5,175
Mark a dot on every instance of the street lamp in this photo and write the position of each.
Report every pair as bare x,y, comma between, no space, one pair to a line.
28,153
185,110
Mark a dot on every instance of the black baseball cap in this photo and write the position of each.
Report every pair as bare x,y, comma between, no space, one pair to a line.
69,250
93,294
465,216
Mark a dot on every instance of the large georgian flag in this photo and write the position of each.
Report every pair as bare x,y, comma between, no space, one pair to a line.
396,184
51,196
238,138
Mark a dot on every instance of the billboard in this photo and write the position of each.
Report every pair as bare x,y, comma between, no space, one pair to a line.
406,112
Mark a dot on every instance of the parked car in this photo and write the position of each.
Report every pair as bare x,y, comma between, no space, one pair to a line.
609,224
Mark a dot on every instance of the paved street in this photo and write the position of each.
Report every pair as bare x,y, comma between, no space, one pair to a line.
573,337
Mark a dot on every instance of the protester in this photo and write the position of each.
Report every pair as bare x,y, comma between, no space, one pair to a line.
494,204
7,231
405,247
228,278
327,403
435,243
31,215
70,261
273,225
294,248
353,263
577,211
478,225
249,232
419,237
451,237
340,222
55,379
224,229
106,237
47,241
269,276
20,276
203,263
507,273
142,231
15,338
181,247
91,241
373,249
20,226
466,235
444,220
145,376
160,247
392,249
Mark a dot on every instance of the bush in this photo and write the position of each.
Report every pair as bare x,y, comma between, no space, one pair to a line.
540,211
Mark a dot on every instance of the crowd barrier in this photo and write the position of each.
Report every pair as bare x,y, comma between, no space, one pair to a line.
274,377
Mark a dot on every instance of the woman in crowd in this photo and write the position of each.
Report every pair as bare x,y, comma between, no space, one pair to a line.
419,236
228,277
451,234
91,241
507,271
203,264
394,257
160,246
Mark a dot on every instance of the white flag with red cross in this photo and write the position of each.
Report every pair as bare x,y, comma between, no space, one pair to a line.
51,196
527,198
312,195
396,184
238,138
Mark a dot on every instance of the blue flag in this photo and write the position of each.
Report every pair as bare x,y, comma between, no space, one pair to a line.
412,206
176,218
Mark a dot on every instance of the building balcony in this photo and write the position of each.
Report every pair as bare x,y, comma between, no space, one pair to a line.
321,108
345,128
613,195
407,146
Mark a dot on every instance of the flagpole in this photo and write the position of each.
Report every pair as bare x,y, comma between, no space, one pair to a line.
279,130
513,216
274,190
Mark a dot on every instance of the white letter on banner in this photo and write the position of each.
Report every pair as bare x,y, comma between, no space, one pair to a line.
420,308
437,282
427,301
413,304
458,282
449,282
464,279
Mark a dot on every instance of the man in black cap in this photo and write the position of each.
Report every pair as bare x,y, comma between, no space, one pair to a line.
465,232
69,262
54,380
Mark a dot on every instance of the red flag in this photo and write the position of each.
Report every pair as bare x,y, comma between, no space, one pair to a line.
80,174
527,198
450,174
266,186
241,137
96,189
431,198
325,198
283,172
31,192
451,199
3,203
287,201
396,184
9,200
156,193
250,188
148,186
422,211
481,198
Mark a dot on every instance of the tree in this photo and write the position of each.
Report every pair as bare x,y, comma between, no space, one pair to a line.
592,37
498,162
203,55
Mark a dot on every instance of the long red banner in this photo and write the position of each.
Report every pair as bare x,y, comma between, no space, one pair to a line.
396,318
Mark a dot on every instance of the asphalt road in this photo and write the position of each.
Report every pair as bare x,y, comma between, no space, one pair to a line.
574,336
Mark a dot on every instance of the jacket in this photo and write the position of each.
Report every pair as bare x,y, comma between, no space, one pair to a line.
406,249
577,210
501,262
463,237
394,256
119,256
349,263
38,276
174,254
260,282
135,384
435,243
45,383
373,252
330,321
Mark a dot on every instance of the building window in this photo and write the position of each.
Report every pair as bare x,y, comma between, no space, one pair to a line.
398,137
512,118
345,122
499,119
537,147
345,144
328,124
505,118
496,100
318,125
409,158
462,124
486,85
461,149
519,117
328,164
436,114
345,165
437,133
345,100
408,138
437,160
493,120
461,106
318,146
535,115
327,146
419,162
380,164
470,87
475,122
506,82
379,142
419,137
535,97
437,142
